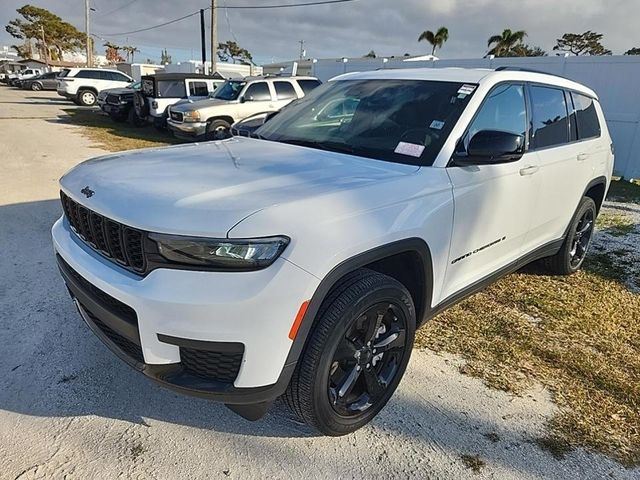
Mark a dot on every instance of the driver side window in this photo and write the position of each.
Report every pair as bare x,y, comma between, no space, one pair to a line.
503,110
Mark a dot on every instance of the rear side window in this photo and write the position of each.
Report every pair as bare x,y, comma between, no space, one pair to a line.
586,117
550,122
257,92
120,77
308,85
93,74
284,90
503,110
198,89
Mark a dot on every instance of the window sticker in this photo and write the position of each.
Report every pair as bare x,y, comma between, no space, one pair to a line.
437,125
467,89
410,149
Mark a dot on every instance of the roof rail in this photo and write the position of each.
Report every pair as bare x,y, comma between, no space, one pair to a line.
530,70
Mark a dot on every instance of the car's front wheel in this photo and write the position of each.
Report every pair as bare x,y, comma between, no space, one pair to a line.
87,98
218,130
356,355
576,244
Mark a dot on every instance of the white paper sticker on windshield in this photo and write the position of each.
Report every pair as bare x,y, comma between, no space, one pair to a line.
437,125
467,89
410,149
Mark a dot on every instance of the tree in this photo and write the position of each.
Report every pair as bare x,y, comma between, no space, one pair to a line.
528,51
437,40
165,58
587,43
507,44
232,51
371,54
59,36
633,51
113,53
130,52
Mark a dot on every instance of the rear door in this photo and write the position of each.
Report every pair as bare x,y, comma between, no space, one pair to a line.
565,163
49,80
493,203
285,93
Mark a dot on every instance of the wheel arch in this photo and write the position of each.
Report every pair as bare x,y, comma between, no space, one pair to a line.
226,118
408,261
83,89
596,190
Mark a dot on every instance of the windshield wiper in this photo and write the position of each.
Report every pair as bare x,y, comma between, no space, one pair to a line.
327,146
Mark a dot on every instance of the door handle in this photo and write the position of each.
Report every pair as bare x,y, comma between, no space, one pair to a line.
529,170
582,157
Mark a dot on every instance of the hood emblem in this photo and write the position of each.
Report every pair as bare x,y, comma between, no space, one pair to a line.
87,192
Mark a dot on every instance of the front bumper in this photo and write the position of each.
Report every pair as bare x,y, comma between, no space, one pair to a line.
121,109
161,317
187,129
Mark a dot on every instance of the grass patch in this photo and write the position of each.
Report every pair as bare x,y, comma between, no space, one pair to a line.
623,191
578,335
113,136
615,224
473,462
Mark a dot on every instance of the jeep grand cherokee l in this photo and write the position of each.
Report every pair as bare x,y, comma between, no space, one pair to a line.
300,263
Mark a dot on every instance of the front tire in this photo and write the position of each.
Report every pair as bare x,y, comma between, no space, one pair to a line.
218,130
576,244
356,355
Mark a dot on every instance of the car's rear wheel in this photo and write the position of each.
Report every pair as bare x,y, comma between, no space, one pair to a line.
218,130
134,119
577,242
356,355
36,87
87,98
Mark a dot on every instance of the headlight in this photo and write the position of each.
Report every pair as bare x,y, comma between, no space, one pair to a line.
223,253
191,116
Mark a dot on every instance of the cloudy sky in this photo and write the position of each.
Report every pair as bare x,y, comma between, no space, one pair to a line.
390,27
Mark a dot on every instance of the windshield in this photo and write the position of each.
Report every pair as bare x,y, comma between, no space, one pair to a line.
229,90
403,121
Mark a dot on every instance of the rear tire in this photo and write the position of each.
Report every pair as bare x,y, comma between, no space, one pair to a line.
576,244
356,354
134,119
87,98
36,87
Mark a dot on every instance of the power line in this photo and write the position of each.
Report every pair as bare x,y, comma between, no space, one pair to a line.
244,7
118,9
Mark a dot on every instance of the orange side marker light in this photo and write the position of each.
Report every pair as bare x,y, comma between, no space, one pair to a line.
298,321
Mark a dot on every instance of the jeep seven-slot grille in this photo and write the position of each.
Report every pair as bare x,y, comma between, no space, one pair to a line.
177,116
114,240
113,99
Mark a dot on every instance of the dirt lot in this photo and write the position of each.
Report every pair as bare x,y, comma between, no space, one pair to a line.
70,409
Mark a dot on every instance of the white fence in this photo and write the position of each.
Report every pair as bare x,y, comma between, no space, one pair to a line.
616,80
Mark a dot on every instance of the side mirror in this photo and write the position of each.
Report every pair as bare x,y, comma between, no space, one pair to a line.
492,146
242,99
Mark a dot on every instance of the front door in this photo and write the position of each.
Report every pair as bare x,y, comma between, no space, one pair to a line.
492,203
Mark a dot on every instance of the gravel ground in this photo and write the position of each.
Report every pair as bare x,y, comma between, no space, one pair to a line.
70,409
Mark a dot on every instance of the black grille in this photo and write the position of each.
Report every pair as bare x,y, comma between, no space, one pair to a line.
120,243
218,366
113,99
124,344
177,116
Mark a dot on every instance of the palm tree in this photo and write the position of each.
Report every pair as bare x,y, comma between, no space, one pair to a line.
503,45
437,39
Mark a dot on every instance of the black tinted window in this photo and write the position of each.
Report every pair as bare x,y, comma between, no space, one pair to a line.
308,85
198,89
284,90
503,110
94,74
586,117
550,122
120,77
257,92
573,129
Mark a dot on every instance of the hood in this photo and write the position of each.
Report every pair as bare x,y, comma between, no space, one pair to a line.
205,189
118,91
188,106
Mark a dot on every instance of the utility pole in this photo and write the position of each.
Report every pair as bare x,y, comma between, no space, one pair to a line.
45,50
214,36
87,33
301,42
203,43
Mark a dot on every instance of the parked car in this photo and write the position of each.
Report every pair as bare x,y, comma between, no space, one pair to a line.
162,90
46,81
246,127
23,75
118,103
236,100
81,85
301,263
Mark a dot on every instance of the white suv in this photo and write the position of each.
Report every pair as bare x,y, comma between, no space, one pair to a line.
236,100
82,85
300,263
